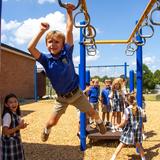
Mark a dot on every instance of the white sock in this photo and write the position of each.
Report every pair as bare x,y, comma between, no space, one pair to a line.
113,157
143,158
47,131
99,121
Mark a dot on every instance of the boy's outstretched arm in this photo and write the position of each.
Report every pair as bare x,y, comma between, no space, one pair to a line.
69,26
32,45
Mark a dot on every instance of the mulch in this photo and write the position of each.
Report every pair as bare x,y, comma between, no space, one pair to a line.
63,143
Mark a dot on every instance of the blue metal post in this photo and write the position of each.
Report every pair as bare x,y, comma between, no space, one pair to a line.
125,70
82,80
139,76
131,80
35,82
88,77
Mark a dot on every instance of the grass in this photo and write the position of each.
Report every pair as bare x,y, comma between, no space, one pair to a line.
152,97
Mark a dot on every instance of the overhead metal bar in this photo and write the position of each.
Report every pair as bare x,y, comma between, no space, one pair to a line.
144,15
84,7
103,66
109,42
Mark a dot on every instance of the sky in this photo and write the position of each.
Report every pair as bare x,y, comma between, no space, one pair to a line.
112,19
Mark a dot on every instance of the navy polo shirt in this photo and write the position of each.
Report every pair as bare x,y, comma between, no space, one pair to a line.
60,70
105,95
93,94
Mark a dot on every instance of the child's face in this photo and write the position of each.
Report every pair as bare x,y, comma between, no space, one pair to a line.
107,84
117,86
12,103
92,82
96,83
55,44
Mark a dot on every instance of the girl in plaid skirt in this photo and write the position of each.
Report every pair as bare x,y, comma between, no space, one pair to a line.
12,148
116,101
132,132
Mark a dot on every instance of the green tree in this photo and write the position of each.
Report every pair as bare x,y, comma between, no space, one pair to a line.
96,77
157,77
103,78
148,79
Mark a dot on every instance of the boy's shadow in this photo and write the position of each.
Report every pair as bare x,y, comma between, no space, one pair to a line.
52,152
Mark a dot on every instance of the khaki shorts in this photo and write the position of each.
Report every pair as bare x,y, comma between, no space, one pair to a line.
79,100
95,106
106,108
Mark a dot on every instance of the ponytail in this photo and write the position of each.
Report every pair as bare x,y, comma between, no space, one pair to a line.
134,109
132,101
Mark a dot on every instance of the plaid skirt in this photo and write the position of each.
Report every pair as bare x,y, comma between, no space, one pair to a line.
131,137
117,107
12,148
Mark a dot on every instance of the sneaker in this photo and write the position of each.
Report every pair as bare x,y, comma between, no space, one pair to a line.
101,128
107,124
120,129
113,129
93,125
113,157
44,136
144,136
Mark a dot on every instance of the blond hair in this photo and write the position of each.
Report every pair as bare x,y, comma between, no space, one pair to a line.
56,33
114,84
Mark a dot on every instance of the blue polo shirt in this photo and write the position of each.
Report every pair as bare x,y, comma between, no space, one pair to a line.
105,95
60,70
93,94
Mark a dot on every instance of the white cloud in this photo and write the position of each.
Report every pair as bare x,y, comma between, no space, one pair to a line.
10,25
133,63
149,60
43,1
21,32
146,60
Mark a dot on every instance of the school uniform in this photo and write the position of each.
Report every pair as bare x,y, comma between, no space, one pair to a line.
105,100
132,132
12,148
117,101
61,72
93,95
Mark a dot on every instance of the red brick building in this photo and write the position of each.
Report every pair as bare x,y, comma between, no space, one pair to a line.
17,73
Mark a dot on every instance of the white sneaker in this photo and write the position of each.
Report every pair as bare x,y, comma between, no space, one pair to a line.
144,136
120,129
112,127
113,157
113,130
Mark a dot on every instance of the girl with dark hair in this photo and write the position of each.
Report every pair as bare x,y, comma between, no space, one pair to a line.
11,124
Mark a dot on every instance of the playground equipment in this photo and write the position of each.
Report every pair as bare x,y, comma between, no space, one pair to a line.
136,38
93,133
125,65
